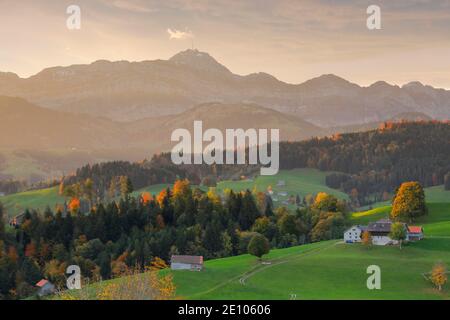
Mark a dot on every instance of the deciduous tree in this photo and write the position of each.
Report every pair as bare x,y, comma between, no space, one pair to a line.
366,238
409,202
258,246
398,232
439,275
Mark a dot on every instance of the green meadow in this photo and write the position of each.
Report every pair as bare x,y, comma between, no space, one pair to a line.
36,199
325,270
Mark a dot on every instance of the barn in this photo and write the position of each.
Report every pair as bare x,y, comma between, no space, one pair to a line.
193,263
45,288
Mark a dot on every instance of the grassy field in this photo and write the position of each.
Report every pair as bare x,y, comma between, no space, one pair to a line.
325,270
36,199
297,181
437,194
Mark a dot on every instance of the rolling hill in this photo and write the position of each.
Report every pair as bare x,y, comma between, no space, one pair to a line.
38,143
308,272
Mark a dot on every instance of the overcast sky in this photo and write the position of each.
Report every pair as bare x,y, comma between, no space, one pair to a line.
294,40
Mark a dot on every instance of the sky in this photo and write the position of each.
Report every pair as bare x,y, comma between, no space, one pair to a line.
294,40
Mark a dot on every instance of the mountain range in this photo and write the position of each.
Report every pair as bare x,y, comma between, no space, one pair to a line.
128,91
65,117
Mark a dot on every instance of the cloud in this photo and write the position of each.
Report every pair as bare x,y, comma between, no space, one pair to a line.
180,35
133,6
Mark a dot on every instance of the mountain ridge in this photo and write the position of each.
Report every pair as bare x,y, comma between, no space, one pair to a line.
128,91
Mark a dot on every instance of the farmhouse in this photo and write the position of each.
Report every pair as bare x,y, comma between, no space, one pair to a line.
45,288
379,231
193,263
415,233
354,234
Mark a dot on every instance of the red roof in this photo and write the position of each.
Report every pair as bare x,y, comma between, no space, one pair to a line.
414,229
41,283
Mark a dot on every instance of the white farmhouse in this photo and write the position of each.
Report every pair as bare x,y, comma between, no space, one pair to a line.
354,234
380,232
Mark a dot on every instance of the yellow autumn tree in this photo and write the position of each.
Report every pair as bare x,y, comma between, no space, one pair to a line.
409,202
439,275
158,264
213,196
134,285
181,188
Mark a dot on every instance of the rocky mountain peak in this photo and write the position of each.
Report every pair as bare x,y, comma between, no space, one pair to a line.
198,60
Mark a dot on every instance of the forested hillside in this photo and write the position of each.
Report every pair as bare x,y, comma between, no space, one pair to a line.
370,164
376,162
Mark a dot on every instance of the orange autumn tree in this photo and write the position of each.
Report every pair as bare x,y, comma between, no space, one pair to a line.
162,197
181,188
366,238
74,205
146,197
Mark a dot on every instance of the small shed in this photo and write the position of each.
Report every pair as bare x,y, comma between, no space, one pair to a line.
45,288
193,263
415,233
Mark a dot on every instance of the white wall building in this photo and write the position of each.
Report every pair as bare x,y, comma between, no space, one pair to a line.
193,263
354,234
